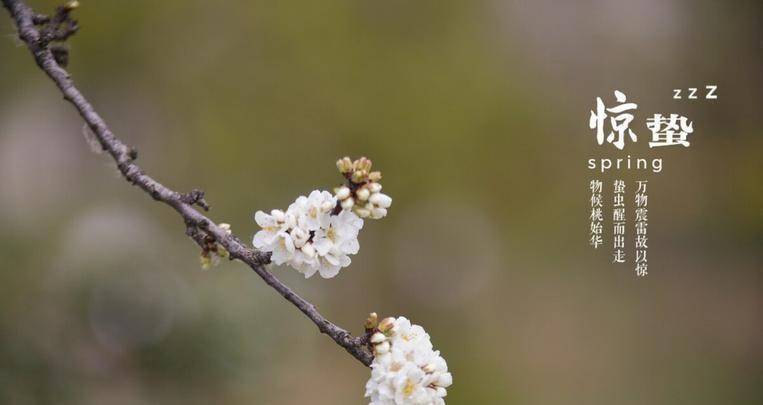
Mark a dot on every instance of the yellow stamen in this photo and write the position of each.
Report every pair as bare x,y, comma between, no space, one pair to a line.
408,390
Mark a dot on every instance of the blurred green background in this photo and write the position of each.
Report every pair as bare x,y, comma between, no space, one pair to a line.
477,114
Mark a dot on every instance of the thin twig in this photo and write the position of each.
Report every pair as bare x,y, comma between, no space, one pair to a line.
197,225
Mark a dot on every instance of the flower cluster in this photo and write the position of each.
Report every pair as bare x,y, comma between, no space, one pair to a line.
318,233
362,193
308,237
406,369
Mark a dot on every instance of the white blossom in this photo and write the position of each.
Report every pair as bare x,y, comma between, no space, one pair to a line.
308,237
271,226
318,233
311,211
283,248
336,242
406,370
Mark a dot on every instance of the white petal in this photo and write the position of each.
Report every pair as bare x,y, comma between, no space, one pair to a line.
343,193
380,199
378,213
329,271
362,212
322,245
308,250
262,239
374,187
351,247
363,194
445,380
278,215
309,271
348,203
288,242
332,259
263,219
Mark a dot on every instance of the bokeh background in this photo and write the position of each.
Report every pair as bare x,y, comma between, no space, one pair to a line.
477,114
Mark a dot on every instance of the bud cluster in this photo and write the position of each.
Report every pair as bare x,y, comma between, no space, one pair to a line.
406,369
362,193
212,251
380,333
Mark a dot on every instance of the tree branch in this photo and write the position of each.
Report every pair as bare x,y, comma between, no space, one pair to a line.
198,226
